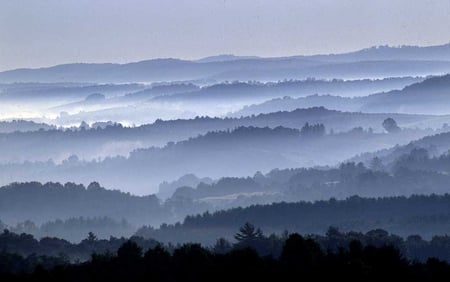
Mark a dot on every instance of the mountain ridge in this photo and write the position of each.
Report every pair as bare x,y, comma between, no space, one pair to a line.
162,69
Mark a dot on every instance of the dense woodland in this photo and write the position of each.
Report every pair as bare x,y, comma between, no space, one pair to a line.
374,255
214,154
55,210
74,229
98,141
51,201
423,215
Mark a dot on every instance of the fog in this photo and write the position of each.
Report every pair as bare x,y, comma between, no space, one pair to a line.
224,140
164,139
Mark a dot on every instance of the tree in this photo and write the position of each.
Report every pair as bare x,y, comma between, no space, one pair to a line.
129,251
293,249
222,246
157,257
248,232
299,252
390,125
91,237
315,130
84,125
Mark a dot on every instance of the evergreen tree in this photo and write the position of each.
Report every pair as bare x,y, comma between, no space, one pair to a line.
248,232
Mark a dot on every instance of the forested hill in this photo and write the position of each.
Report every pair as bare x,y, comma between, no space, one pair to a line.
425,215
23,126
435,145
238,152
115,139
43,202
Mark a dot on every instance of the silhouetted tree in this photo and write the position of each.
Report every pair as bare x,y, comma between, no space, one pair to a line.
301,257
390,125
315,130
299,252
91,237
158,259
222,246
248,232
129,251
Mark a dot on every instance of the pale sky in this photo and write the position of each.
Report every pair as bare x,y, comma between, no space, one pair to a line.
35,33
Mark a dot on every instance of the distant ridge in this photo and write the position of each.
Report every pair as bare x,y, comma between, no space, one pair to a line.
385,52
370,62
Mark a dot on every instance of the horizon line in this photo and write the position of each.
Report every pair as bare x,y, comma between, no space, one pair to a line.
196,60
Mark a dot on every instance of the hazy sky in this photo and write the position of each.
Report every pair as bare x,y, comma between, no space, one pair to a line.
47,32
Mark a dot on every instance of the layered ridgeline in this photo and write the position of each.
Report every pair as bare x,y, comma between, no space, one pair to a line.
237,152
426,149
188,91
70,103
70,210
103,139
237,91
78,154
427,97
367,63
415,172
279,164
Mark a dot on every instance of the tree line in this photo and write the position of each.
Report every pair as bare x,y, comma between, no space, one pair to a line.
299,256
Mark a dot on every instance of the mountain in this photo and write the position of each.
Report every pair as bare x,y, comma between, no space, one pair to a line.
53,205
144,71
369,63
139,104
426,97
115,139
340,70
236,152
438,52
253,91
